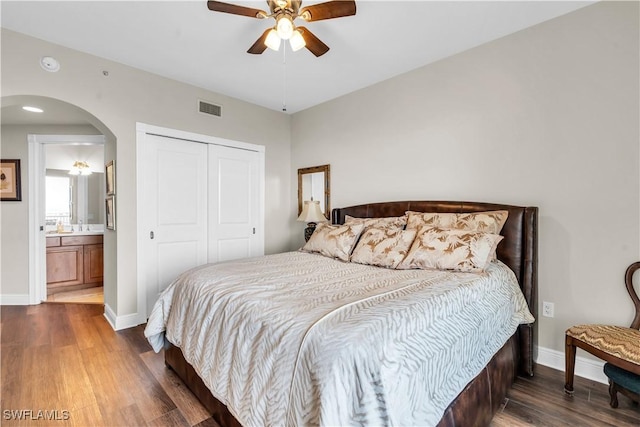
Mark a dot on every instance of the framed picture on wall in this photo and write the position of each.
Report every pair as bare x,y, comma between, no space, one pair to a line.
10,188
110,212
110,175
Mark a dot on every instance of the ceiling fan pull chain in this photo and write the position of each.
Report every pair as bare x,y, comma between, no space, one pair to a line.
284,79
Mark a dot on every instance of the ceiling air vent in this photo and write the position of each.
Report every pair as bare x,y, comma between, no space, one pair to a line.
209,108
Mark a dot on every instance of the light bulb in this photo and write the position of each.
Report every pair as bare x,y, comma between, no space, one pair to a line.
273,40
297,41
285,27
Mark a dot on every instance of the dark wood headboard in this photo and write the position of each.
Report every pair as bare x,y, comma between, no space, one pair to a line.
518,249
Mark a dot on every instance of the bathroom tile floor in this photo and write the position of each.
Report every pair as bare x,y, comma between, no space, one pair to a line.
82,296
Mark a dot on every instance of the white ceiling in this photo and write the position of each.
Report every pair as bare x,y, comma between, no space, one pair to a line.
185,41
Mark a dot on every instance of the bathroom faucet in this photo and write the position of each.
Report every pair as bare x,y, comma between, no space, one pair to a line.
80,225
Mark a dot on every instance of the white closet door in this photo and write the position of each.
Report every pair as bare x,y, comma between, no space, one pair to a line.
174,197
234,204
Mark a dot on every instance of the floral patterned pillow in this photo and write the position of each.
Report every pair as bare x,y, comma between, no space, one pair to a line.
488,222
335,241
395,222
383,247
451,249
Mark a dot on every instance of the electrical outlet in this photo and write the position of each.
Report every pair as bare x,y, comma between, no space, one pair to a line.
547,309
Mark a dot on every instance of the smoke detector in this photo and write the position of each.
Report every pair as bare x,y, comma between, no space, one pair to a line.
49,63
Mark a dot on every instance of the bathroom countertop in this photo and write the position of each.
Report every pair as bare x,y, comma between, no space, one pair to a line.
74,233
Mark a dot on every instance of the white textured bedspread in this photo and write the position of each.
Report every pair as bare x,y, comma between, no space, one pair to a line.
300,339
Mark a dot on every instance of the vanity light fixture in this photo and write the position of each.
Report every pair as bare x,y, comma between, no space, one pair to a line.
32,109
80,168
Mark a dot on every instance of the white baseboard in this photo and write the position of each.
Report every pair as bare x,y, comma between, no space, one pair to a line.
122,322
585,368
15,299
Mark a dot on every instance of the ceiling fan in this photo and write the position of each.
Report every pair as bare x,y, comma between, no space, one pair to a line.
285,12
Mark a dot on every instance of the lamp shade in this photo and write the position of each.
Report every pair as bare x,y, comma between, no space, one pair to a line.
297,41
273,40
284,27
311,212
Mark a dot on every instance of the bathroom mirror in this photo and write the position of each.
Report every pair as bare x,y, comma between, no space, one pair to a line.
73,199
313,184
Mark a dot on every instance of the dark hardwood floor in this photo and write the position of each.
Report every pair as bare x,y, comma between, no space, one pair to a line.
66,361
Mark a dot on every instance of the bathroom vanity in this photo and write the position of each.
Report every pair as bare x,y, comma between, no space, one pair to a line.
74,261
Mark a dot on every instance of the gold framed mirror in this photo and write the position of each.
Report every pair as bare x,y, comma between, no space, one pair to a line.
313,184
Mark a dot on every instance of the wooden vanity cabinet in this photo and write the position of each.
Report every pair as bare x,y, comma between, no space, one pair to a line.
74,262
65,266
93,263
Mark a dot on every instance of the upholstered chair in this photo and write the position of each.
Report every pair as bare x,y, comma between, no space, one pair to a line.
621,381
616,345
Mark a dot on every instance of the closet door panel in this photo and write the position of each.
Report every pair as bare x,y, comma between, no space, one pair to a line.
174,204
234,199
200,199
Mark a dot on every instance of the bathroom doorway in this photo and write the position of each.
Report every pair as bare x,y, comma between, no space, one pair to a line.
24,135
74,219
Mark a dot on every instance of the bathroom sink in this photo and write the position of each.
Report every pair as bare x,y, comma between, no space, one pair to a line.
76,233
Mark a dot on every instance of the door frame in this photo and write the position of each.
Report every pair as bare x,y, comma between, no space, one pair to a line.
37,171
143,129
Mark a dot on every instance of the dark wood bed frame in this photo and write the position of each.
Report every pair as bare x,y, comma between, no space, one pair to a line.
482,397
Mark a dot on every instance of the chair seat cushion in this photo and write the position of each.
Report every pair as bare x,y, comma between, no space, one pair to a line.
623,343
623,378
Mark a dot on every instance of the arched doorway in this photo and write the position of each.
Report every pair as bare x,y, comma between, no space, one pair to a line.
28,217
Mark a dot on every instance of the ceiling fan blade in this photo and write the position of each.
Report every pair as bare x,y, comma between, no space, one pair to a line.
328,10
218,6
258,47
314,44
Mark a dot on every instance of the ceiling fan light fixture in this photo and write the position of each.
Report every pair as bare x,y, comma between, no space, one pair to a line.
273,40
285,27
285,12
297,41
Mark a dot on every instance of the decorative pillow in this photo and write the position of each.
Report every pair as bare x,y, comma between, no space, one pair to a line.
394,222
451,249
489,222
383,247
335,241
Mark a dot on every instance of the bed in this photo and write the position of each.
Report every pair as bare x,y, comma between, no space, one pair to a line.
474,404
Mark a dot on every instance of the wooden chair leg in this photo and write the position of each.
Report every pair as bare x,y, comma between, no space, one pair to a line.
570,364
613,394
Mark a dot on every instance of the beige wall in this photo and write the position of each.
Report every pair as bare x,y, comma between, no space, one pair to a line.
546,117
118,101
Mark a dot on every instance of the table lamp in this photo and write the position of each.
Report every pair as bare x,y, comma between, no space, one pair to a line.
311,214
